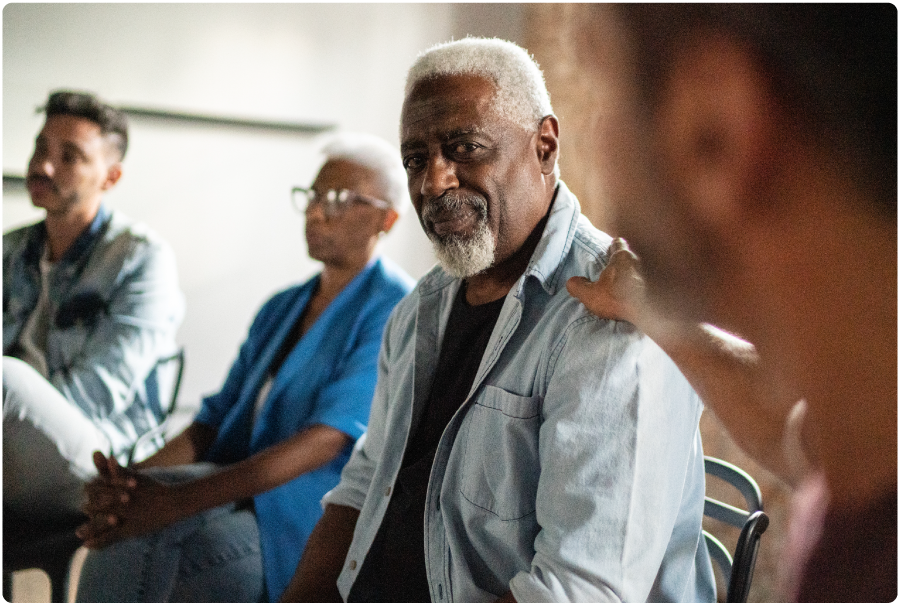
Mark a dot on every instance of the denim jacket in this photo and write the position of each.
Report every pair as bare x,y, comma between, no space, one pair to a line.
115,306
574,469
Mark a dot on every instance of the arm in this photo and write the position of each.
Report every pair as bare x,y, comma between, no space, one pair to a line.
151,505
348,499
188,447
315,580
724,370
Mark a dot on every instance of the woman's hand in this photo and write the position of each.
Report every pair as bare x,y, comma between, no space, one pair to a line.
123,503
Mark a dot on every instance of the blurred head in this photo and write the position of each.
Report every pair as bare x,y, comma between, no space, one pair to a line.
77,154
377,155
360,174
479,144
717,119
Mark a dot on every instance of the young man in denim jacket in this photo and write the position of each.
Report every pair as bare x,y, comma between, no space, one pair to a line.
90,304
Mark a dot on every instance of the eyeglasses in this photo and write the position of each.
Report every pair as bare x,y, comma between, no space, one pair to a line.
333,201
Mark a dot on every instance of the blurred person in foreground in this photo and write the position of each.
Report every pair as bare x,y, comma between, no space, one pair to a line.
749,154
498,463
90,304
223,511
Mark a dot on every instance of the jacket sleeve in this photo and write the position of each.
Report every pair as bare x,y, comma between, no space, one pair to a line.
143,314
617,445
345,402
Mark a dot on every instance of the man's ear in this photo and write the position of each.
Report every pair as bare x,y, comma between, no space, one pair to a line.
717,125
548,143
113,174
390,217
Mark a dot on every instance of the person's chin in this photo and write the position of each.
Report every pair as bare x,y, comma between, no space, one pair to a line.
42,200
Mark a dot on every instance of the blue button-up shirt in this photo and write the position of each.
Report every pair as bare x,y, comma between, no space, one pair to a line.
328,378
574,469
115,306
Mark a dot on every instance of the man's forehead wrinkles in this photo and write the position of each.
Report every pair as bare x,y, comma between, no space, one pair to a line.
443,129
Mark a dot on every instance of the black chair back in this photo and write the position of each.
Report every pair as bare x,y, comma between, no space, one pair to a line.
737,569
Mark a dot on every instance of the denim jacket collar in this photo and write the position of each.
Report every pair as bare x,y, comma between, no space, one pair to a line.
34,247
547,256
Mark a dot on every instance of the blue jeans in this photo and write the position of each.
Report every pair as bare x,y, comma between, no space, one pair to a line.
212,557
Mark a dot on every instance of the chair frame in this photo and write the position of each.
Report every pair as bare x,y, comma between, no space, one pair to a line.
737,570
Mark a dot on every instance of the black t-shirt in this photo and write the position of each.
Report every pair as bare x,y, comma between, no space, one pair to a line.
394,568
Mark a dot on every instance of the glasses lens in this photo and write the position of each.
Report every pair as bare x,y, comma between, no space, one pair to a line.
300,199
333,201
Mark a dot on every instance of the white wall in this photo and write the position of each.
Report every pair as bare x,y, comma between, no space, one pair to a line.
220,195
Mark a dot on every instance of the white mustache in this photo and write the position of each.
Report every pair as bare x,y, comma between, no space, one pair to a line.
452,203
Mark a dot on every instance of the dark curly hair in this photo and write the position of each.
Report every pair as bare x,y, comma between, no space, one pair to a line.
112,122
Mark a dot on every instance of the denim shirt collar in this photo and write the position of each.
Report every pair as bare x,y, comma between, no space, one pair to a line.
34,247
549,253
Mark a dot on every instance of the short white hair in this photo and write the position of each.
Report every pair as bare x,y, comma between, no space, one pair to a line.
522,95
377,155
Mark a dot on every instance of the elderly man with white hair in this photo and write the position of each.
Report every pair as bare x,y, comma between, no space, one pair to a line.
230,520
519,448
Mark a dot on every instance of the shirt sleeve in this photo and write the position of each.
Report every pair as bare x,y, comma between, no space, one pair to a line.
616,442
344,403
144,312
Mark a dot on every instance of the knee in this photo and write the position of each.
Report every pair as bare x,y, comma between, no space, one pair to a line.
15,378
14,371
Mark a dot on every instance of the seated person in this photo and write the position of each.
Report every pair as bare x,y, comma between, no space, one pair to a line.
759,191
90,304
498,462
222,512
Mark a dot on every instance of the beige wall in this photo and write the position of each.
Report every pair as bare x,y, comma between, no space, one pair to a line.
219,195
548,35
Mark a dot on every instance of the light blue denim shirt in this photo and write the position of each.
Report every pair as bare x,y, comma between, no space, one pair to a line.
115,306
574,469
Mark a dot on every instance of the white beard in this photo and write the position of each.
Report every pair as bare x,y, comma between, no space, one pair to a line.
462,256
465,257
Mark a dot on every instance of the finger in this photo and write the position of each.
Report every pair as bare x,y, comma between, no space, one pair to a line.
96,526
579,286
108,503
101,464
119,474
103,538
618,243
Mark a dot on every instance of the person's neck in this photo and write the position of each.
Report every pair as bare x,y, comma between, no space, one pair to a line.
830,308
334,278
63,228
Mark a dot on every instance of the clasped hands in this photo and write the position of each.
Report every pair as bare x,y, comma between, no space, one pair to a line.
123,503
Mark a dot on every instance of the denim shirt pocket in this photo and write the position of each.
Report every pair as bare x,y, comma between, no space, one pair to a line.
75,319
501,466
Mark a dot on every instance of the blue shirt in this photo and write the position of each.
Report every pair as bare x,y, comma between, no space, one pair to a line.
574,469
115,307
328,378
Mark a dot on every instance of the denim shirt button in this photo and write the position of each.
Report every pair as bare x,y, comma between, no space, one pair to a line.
387,491
352,565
